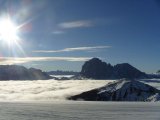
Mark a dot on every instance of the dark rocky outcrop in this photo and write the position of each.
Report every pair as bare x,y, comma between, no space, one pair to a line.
97,69
122,90
15,72
125,70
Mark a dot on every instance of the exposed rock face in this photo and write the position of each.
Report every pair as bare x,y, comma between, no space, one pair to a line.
125,70
123,90
15,72
97,69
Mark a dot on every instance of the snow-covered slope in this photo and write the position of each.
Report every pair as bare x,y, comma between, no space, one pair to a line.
123,90
154,98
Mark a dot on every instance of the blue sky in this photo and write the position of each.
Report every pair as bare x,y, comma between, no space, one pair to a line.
62,34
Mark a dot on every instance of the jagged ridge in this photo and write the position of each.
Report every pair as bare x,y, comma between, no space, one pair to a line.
97,69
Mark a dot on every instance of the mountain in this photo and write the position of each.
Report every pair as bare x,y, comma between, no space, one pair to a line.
126,70
97,69
154,76
16,72
60,72
122,90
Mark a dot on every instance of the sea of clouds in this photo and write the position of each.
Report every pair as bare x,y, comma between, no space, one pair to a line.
45,90
51,90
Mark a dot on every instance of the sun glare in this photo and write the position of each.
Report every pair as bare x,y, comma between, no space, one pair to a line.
8,31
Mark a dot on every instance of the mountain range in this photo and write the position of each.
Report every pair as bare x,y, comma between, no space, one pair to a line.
16,72
97,69
61,72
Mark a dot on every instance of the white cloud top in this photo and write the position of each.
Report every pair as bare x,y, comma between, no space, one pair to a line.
45,90
73,49
20,60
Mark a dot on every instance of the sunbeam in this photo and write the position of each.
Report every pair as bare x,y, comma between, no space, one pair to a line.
9,36
8,31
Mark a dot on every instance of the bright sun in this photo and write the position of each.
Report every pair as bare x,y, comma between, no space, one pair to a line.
8,31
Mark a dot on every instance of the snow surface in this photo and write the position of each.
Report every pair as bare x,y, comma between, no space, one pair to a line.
80,111
154,98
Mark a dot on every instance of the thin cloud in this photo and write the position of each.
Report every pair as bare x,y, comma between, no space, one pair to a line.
58,32
73,49
64,26
76,24
21,60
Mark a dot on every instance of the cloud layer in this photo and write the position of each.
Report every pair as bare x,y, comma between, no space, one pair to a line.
45,90
18,60
73,49
48,90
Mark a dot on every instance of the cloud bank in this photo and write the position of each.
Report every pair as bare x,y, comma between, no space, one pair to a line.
73,49
20,60
45,90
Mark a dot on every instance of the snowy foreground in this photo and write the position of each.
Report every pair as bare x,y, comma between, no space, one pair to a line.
50,90
69,110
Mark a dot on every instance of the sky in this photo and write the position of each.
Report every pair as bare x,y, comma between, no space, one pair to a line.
63,34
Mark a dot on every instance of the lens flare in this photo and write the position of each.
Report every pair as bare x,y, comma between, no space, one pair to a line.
8,31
